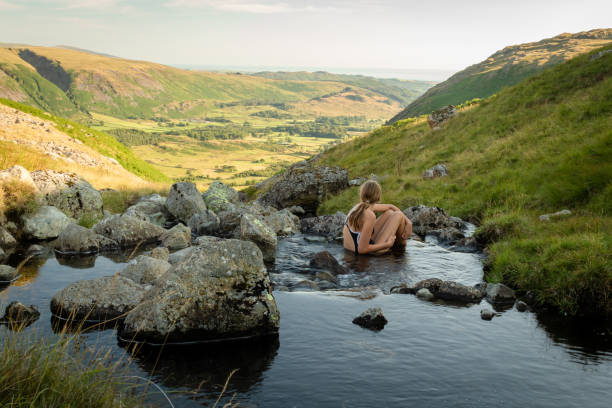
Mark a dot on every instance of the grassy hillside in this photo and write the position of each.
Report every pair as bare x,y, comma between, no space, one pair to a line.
539,147
398,90
506,67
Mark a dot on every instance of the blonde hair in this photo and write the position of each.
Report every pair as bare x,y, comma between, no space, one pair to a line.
370,193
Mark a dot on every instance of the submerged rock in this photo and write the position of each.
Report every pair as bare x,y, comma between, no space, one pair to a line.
305,284
440,116
7,274
486,314
218,291
372,319
75,239
184,201
439,170
326,261
98,299
254,230
127,230
46,223
424,294
500,293
17,312
178,237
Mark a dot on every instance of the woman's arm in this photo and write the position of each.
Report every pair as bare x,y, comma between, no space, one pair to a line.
384,207
366,233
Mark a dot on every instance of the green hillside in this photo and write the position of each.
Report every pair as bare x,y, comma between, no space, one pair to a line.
506,67
402,91
538,147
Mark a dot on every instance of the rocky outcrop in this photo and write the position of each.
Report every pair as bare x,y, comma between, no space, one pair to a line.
372,319
18,313
7,274
184,201
75,239
145,270
283,222
178,237
439,170
427,219
69,193
204,223
326,262
305,185
127,230
327,225
46,223
98,299
220,196
254,230
440,116
218,291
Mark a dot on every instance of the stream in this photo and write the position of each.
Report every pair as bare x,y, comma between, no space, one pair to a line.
429,354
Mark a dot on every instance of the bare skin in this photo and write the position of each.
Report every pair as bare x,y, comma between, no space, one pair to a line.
391,228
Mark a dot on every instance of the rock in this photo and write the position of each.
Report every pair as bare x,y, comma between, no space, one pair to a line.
458,292
305,284
521,306
206,240
75,239
177,257
220,291
178,237
35,250
297,210
439,170
46,223
357,182
151,210
500,293
98,299
254,230
18,173
160,253
425,219
326,276
558,214
486,314
2,255
17,312
372,319
325,261
7,274
315,239
219,196
204,223
283,222
127,230
305,185
432,284
449,235
6,239
184,201
438,117
424,294
69,193
328,225
144,269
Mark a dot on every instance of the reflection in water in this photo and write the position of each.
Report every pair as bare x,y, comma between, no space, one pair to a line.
82,261
29,270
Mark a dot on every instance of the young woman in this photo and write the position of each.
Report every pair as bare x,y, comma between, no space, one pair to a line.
366,234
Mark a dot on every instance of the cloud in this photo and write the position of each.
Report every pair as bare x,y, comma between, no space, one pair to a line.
247,6
4,5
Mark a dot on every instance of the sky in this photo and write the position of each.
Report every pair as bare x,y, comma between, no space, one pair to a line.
350,34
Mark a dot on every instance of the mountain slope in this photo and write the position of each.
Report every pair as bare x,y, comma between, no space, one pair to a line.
538,147
506,67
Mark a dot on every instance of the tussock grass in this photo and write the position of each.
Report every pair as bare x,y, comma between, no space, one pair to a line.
539,147
118,201
17,199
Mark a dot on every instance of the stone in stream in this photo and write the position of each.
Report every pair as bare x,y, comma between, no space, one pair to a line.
7,274
326,276
458,292
498,293
204,223
486,314
424,294
220,196
18,313
98,299
254,230
178,237
184,200
144,269
46,223
521,306
127,230
325,261
75,239
219,291
372,319
6,239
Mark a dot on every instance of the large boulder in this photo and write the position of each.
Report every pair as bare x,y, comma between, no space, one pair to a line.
426,219
438,117
98,299
127,230
204,223
69,193
220,291
178,237
220,196
6,239
328,225
75,239
305,185
19,174
145,269
184,200
283,222
45,223
254,230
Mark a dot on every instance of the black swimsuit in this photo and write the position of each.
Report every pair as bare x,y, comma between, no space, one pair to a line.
355,236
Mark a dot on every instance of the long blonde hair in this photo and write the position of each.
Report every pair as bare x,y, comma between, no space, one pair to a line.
369,192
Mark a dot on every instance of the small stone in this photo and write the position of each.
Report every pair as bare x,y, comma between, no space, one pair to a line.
326,276
325,261
17,312
7,274
486,314
521,306
424,294
372,319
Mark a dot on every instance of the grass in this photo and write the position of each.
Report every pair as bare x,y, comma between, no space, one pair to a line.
17,199
538,147
118,201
